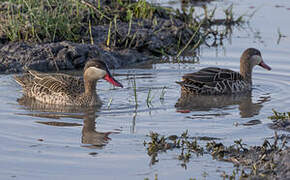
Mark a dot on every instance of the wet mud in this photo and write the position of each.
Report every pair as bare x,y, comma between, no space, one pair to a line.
17,57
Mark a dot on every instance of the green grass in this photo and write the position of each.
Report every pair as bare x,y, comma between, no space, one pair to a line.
142,9
39,20
56,20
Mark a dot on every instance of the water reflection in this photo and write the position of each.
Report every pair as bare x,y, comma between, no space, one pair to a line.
246,107
90,137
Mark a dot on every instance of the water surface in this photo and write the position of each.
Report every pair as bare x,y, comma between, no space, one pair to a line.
39,142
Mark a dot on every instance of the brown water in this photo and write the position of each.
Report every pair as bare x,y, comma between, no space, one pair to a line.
41,142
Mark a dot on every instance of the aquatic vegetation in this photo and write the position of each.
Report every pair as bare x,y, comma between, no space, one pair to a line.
255,161
280,36
280,116
281,121
149,98
135,91
162,94
110,102
187,145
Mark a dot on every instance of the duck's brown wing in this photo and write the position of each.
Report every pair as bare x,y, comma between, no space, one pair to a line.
38,84
212,80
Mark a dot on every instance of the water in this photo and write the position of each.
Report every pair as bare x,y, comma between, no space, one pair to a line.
43,143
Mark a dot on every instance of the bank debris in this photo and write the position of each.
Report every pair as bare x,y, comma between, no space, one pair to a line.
109,27
267,161
281,121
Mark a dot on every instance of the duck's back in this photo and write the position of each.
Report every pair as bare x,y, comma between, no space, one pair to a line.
214,81
51,89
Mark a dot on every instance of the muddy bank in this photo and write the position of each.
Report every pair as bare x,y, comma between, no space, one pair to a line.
16,57
120,33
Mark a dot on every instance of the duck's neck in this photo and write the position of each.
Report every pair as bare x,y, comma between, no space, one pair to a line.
246,70
90,87
90,96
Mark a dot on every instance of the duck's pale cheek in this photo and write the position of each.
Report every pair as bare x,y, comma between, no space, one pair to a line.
95,73
256,60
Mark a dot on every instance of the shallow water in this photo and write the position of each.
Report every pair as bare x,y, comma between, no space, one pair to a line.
44,143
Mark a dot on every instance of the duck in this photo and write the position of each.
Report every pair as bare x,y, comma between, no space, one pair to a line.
64,89
216,81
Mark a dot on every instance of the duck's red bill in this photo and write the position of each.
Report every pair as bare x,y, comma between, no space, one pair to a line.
112,80
264,65
183,111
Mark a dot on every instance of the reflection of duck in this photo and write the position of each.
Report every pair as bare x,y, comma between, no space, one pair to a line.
64,89
214,81
90,136
207,102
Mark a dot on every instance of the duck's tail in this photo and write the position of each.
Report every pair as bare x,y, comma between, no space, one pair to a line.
181,83
19,80
24,80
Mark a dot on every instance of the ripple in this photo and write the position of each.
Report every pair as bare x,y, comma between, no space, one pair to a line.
70,137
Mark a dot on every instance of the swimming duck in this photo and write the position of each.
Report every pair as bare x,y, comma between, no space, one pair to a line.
63,89
214,81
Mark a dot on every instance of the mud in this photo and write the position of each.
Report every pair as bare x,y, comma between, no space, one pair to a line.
17,57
